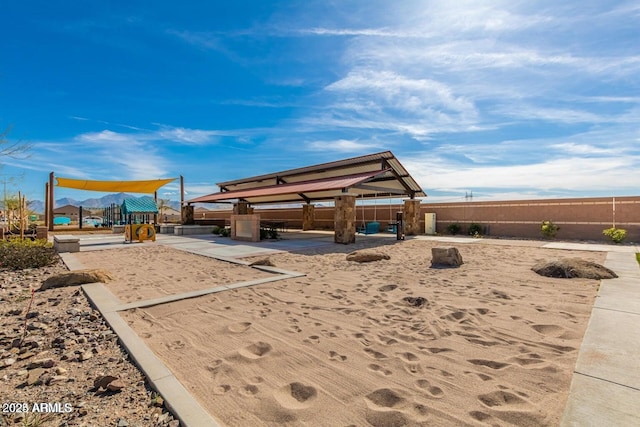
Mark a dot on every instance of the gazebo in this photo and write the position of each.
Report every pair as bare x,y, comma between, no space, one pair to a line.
372,176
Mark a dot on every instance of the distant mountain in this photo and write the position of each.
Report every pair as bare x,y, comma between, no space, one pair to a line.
102,202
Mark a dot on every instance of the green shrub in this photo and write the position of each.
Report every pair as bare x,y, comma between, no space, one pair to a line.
475,230
453,228
617,235
216,229
267,233
225,232
16,254
638,257
549,229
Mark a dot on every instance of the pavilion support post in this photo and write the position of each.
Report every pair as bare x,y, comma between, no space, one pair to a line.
46,204
344,219
308,216
181,197
411,213
187,215
50,203
242,208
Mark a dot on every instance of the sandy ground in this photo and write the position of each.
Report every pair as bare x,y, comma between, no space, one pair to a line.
153,271
388,343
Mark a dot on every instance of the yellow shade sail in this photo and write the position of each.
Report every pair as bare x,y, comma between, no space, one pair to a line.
147,187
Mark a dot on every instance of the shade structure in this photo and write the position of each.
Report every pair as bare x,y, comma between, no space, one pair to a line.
144,205
372,176
147,186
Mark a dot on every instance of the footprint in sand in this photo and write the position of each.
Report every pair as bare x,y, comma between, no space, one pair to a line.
387,288
408,357
381,404
375,354
479,415
432,391
176,345
493,364
239,327
313,339
296,395
338,357
221,389
379,369
249,390
548,329
501,399
255,350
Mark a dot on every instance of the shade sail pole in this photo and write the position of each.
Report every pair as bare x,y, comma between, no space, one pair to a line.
51,195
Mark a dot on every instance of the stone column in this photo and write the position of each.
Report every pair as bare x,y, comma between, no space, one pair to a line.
241,208
187,215
344,219
308,216
411,213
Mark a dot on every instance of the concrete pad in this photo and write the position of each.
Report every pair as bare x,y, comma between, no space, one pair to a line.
71,261
609,346
621,294
597,403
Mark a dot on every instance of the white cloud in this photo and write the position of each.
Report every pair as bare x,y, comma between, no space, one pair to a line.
342,145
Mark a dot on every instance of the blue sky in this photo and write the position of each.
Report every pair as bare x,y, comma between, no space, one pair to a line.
505,99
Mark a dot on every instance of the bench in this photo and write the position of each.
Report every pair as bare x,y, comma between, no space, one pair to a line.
66,243
369,228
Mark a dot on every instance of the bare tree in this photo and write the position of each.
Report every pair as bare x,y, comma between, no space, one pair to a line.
14,149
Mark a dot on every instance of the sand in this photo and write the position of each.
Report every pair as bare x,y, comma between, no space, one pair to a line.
389,343
151,271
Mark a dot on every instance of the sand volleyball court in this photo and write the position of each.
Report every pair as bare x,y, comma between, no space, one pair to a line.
389,343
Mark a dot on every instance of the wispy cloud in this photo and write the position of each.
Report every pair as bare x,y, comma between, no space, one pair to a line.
342,145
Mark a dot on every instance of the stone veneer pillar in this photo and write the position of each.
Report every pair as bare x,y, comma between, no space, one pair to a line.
344,219
187,215
308,216
411,213
242,208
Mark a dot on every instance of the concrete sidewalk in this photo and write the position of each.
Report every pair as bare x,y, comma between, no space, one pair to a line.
605,388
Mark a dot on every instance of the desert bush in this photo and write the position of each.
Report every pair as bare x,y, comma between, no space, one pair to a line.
17,254
453,228
549,229
617,235
225,232
216,229
475,229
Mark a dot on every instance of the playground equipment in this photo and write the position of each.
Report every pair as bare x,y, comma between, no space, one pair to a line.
140,232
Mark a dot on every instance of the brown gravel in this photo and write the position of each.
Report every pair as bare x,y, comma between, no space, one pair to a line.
61,361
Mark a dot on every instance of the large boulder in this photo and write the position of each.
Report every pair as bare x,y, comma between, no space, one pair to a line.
366,256
445,256
77,277
568,268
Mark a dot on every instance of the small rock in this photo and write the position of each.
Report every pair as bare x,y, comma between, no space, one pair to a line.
57,379
42,363
78,277
116,385
85,356
122,423
446,256
60,370
174,423
7,362
34,376
366,256
103,381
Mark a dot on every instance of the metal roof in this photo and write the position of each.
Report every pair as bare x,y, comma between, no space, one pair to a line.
370,176
141,205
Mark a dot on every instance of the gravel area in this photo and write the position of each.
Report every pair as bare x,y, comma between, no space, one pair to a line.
61,364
